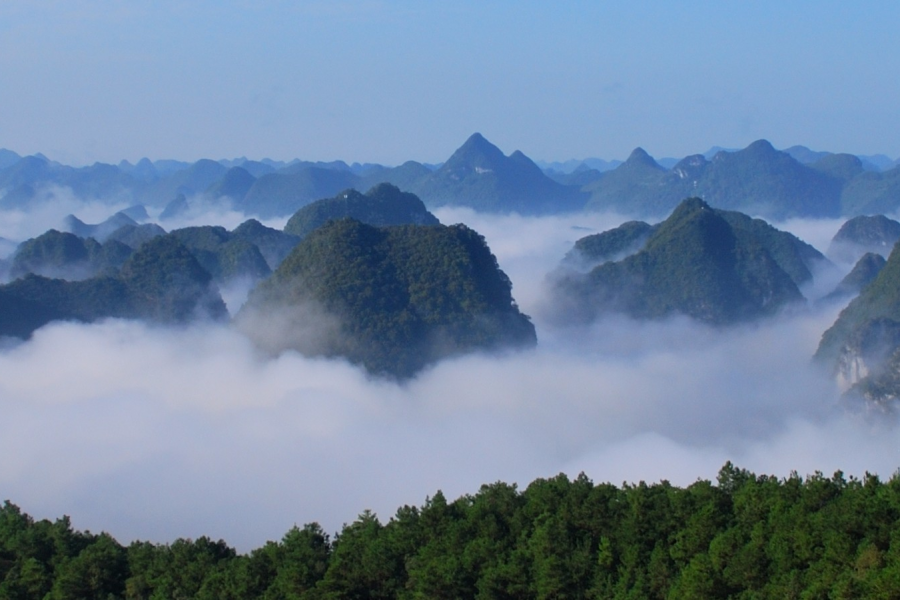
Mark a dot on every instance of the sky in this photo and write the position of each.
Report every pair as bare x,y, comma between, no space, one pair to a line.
390,81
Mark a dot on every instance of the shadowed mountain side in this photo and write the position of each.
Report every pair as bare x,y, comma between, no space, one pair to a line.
136,235
863,273
382,205
67,256
222,254
695,263
234,184
864,234
161,282
285,192
862,346
100,231
393,299
273,244
614,244
872,193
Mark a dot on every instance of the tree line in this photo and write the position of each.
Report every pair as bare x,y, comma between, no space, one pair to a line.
743,536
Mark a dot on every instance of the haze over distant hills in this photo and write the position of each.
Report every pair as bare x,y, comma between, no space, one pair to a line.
759,179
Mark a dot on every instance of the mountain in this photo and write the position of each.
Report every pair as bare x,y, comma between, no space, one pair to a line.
757,179
578,178
8,158
843,167
764,181
63,255
804,155
638,186
100,231
382,205
189,181
872,193
863,273
177,207
393,299
863,234
162,282
283,193
797,258
863,346
167,284
274,245
713,266
479,176
221,254
134,236
407,176
614,244
234,184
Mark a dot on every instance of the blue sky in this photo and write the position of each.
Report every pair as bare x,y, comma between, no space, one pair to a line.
389,81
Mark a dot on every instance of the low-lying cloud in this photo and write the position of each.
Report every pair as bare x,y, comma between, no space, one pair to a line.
154,433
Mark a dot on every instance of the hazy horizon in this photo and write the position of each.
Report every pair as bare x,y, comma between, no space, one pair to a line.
389,81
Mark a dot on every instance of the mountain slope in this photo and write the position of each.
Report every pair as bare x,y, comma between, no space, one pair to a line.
695,263
478,175
382,205
393,299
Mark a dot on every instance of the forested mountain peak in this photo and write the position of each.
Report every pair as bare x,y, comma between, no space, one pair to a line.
394,299
384,204
713,266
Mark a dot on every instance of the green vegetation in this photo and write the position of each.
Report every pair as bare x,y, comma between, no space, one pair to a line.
863,273
402,297
161,282
67,256
223,255
383,205
273,244
861,345
746,536
614,244
714,266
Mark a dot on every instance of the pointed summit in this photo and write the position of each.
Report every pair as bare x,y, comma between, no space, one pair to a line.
639,156
479,175
476,152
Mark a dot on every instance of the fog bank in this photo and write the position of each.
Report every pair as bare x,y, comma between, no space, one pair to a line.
155,433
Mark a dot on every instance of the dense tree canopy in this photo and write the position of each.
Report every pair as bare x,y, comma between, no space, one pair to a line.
397,298
745,536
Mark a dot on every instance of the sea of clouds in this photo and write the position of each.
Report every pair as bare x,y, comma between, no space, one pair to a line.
156,433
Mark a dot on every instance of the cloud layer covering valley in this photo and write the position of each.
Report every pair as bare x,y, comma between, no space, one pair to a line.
155,433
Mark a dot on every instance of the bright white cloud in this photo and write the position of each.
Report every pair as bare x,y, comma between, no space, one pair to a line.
154,433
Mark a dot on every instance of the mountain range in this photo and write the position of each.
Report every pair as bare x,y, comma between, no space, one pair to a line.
758,180
718,267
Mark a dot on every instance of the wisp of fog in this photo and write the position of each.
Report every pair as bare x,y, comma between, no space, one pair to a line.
156,433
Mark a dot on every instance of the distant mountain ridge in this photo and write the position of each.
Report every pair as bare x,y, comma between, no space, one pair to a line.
757,179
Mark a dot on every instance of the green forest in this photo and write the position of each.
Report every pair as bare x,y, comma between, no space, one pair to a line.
743,536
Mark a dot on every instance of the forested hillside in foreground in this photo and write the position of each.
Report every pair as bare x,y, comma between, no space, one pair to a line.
746,536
